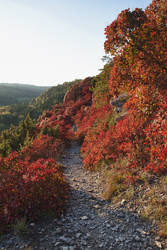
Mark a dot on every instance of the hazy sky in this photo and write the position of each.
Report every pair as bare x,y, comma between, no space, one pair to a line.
47,42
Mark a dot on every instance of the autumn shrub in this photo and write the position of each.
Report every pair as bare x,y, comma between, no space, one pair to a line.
27,190
13,160
97,125
43,146
57,125
108,138
156,142
136,42
149,143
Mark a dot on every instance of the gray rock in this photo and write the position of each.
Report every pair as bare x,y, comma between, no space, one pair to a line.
58,230
78,235
84,218
84,243
64,248
65,239
108,225
57,244
137,238
72,247
119,101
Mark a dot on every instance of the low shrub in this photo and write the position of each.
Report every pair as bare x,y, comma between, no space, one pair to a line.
43,146
27,190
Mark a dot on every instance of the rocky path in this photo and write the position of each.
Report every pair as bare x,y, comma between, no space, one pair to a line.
90,222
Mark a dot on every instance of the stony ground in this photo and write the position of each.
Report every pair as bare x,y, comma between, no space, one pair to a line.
90,222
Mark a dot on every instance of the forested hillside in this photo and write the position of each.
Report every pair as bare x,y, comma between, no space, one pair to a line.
13,114
18,93
120,119
52,96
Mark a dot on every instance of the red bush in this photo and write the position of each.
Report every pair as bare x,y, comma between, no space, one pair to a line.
27,190
43,147
156,142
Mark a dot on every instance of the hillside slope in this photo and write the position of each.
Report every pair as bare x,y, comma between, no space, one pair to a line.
13,114
18,93
119,117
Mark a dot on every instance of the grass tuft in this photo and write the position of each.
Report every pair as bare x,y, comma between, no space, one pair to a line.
21,227
114,184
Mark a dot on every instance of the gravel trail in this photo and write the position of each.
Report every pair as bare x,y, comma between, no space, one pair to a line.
90,222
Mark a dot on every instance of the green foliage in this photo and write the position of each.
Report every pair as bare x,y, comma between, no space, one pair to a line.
21,226
16,137
101,89
53,132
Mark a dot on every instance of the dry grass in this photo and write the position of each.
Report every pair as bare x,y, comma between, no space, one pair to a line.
114,181
156,206
114,184
148,195
129,193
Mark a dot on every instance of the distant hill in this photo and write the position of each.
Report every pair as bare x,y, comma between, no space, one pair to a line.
14,113
18,93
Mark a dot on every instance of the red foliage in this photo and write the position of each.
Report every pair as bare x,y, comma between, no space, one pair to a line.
139,137
120,32
43,147
138,42
27,189
76,102
78,91
156,141
94,125
30,181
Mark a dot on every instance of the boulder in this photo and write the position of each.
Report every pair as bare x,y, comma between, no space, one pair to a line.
120,101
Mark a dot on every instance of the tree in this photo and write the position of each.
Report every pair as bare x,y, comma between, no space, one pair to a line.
121,32
138,42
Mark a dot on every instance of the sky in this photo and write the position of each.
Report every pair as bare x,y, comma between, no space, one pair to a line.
48,42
